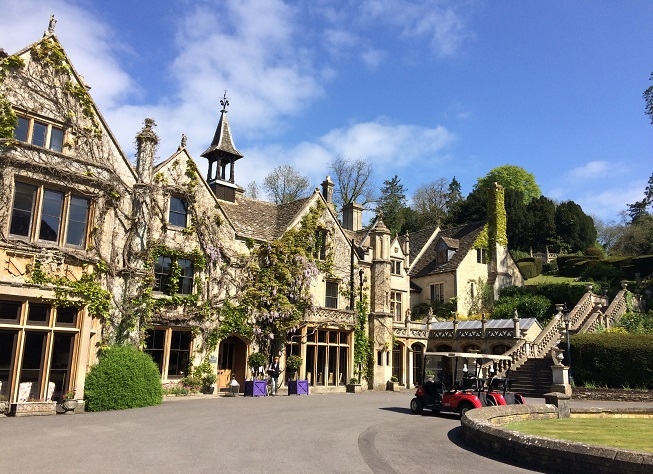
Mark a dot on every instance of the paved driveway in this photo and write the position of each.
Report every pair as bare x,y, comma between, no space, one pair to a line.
361,433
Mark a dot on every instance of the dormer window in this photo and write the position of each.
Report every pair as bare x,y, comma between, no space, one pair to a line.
442,253
481,256
39,133
395,267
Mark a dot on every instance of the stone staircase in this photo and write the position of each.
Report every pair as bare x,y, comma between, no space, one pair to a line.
534,378
531,363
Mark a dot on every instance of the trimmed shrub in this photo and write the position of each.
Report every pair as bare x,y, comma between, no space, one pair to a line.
123,378
528,306
527,269
600,272
613,360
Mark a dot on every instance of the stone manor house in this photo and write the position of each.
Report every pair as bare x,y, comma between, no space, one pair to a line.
90,245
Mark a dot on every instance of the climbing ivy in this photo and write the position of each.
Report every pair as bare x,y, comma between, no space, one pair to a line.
70,292
363,353
276,295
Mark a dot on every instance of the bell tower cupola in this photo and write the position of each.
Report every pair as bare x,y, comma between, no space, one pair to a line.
222,156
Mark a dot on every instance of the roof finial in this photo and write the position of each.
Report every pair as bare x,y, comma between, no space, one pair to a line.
51,25
224,102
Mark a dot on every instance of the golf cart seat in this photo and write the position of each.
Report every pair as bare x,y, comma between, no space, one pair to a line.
434,388
471,383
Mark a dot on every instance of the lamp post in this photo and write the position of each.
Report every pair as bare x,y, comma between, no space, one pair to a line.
565,318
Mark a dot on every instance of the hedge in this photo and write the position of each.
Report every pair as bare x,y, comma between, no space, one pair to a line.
612,360
527,269
124,377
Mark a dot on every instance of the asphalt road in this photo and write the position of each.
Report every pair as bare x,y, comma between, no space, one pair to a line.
348,433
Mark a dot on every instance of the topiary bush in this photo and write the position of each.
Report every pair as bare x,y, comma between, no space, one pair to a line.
124,377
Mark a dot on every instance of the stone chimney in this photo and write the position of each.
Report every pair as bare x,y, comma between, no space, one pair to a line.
327,190
147,142
352,216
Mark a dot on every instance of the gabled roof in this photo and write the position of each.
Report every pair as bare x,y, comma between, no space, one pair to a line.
419,242
452,243
262,220
50,36
466,236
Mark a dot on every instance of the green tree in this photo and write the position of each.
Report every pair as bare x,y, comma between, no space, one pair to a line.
575,229
541,222
648,99
511,177
517,220
392,204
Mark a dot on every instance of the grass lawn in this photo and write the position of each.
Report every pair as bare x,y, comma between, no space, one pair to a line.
545,279
627,433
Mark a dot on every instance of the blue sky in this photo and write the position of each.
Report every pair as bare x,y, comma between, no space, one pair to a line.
422,89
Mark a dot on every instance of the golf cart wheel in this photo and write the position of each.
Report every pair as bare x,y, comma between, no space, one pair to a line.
417,406
464,408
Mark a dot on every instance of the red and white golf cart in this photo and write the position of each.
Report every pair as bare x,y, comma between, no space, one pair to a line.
459,381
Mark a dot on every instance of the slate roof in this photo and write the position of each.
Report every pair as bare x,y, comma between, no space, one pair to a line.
261,220
222,141
466,236
524,324
418,240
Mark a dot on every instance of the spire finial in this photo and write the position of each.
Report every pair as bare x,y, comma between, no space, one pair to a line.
51,25
224,102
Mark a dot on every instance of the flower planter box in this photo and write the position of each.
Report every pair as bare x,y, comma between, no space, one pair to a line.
354,388
297,387
256,388
33,409
392,386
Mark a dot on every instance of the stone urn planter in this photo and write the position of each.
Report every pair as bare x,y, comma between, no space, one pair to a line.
354,388
69,406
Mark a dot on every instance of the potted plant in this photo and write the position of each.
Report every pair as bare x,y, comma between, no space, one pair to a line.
295,387
354,386
69,402
257,362
393,384
293,364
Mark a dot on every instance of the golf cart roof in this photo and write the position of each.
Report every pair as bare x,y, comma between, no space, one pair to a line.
469,355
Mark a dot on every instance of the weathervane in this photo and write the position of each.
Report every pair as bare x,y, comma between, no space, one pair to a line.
224,102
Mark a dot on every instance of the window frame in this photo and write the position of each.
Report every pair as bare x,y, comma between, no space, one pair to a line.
52,138
481,256
173,211
166,348
395,267
185,283
396,306
41,213
436,295
331,300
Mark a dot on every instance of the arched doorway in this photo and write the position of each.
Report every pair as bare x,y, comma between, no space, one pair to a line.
418,360
232,356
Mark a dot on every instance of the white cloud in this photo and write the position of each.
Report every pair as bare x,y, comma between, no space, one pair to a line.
591,170
90,43
385,144
437,20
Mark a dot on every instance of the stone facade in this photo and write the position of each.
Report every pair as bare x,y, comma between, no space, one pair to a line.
96,251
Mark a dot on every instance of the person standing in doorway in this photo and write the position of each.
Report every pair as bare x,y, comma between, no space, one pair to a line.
274,371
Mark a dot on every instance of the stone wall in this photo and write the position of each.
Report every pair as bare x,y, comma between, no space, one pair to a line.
482,428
